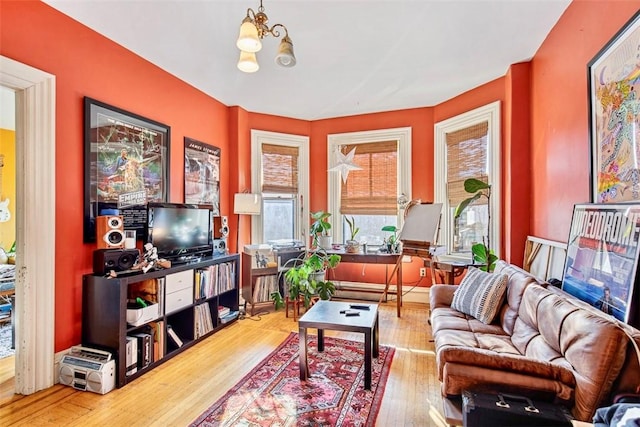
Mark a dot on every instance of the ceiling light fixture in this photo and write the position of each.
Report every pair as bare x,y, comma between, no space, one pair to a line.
253,29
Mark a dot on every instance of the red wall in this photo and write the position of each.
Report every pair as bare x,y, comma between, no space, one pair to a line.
88,64
544,124
559,111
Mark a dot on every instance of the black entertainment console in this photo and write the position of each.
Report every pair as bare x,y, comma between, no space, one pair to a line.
166,311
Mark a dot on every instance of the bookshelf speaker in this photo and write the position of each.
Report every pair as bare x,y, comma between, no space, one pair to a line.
110,231
220,227
105,260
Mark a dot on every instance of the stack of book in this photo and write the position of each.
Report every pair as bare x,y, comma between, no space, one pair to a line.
226,315
203,321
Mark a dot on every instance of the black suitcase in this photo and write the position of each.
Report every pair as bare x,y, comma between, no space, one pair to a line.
507,410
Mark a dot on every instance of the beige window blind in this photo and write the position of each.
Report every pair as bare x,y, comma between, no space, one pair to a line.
279,169
466,158
372,190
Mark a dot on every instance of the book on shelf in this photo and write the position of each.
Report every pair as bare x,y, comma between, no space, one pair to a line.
145,349
264,287
174,337
232,315
203,323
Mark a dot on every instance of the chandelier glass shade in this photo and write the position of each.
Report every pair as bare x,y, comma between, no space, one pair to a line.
253,29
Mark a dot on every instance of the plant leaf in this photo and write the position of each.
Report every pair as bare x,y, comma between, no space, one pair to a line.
466,202
391,228
473,185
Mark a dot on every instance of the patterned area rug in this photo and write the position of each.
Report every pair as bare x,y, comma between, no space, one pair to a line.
273,395
5,340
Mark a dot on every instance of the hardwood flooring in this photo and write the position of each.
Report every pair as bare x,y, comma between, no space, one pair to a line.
175,393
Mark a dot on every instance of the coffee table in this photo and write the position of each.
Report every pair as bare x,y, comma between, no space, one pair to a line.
326,315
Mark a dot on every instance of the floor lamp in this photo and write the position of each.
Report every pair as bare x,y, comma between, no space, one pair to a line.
245,204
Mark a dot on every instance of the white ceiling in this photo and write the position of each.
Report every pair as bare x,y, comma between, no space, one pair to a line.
353,56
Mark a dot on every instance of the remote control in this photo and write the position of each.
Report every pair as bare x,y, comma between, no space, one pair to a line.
359,307
352,313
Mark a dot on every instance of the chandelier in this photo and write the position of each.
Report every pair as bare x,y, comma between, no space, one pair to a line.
253,29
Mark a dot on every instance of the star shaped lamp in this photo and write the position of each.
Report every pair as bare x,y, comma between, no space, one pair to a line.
344,163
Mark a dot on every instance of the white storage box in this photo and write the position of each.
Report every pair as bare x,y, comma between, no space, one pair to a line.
179,290
140,316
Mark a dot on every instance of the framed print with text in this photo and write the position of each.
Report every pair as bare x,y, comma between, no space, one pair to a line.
202,174
614,117
126,166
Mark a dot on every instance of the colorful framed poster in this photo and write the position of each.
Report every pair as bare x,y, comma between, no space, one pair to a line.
202,174
126,166
614,117
601,267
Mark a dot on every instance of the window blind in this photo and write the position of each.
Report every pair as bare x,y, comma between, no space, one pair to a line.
279,169
466,158
372,190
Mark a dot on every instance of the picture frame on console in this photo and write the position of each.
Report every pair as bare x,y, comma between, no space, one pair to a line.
601,266
613,78
202,174
126,166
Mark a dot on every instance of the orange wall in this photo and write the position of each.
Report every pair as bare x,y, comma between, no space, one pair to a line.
88,64
559,111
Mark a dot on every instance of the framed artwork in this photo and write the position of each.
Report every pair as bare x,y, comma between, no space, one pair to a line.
126,166
614,117
601,266
202,174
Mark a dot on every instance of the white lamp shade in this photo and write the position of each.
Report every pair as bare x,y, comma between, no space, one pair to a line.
248,62
285,56
247,204
248,39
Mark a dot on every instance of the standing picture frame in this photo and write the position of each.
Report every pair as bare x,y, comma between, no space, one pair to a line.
614,116
202,174
601,266
126,166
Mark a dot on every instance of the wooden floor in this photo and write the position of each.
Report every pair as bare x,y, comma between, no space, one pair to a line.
177,392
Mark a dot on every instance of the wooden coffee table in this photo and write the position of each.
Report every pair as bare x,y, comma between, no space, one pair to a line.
326,315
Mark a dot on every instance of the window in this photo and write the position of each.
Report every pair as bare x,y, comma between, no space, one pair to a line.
280,174
468,146
370,194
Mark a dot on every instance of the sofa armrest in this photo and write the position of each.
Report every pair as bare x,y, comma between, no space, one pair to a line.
441,296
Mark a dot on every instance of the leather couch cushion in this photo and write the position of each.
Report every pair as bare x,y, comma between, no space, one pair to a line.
480,294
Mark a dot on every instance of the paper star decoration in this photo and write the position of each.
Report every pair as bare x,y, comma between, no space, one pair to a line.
344,164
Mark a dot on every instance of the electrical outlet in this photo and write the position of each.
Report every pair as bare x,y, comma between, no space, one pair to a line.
423,272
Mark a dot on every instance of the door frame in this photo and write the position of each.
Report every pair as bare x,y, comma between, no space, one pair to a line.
35,223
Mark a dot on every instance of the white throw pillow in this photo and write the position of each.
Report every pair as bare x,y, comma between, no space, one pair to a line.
480,294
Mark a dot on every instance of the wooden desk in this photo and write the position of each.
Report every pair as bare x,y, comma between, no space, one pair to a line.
378,258
445,272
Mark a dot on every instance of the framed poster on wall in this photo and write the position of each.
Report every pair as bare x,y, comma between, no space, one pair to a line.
601,266
614,117
126,166
202,174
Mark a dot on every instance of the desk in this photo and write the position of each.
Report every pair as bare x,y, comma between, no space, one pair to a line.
377,258
447,271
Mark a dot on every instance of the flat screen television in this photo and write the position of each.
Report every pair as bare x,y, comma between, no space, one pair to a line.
180,232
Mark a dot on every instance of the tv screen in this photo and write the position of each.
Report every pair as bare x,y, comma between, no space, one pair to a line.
179,230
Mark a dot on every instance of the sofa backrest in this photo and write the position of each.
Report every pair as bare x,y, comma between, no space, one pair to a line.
517,283
551,328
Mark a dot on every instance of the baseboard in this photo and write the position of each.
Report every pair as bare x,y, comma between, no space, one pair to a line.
358,290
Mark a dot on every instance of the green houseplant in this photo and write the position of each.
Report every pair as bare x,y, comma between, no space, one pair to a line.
352,245
482,254
320,228
391,242
308,278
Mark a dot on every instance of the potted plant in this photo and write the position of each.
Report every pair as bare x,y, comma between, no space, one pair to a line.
308,279
353,246
391,243
320,227
482,254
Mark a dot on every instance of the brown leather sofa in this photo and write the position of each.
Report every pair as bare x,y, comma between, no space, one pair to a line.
544,343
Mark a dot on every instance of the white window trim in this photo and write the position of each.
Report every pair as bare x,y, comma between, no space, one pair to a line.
334,141
259,137
489,113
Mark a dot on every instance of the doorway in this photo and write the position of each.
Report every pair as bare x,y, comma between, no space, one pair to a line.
35,233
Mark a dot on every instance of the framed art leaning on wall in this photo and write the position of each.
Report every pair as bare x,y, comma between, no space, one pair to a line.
614,117
126,166
601,266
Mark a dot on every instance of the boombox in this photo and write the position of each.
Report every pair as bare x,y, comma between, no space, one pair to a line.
105,260
220,227
88,369
219,246
110,231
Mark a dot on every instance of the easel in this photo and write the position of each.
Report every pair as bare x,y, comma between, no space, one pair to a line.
420,224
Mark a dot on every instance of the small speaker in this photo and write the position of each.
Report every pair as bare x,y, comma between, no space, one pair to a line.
220,227
105,260
110,231
220,246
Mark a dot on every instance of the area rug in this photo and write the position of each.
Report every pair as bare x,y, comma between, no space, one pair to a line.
272,394
5,340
